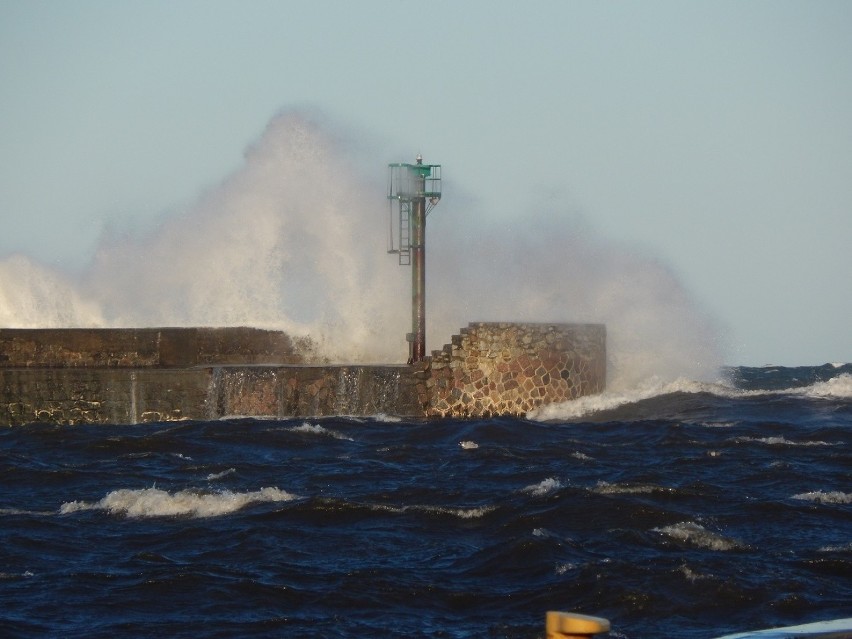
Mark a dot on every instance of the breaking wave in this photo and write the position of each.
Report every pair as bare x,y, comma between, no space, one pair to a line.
544,487
153,502
839,387
694,534
316,429
823,497
294,240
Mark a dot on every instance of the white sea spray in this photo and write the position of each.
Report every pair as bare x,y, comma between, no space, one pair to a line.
291,240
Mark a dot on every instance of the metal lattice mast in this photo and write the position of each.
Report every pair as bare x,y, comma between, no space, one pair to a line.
410,186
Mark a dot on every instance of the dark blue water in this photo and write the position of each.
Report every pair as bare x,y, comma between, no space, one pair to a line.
689,510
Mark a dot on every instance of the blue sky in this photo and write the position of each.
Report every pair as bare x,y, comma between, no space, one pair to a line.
714,136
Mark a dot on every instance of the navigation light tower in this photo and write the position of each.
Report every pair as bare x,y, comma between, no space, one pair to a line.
409,188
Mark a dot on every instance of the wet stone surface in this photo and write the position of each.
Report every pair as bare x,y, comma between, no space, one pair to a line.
510,368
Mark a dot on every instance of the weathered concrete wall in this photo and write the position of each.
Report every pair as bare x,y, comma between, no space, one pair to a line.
70,376
294,391
131,396
102,395
498,368
146,347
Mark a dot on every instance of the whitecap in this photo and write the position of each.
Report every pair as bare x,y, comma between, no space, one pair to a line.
224,473
153,502
20,511
822,497
696,535
385,418
586,405
16,575
837,387
461,513
781,441
544,487
692,575
610,400
316,429
606,488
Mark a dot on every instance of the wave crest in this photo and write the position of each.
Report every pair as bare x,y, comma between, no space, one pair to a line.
839,387
696,535
606,488
153,502
823,497
316,429
544,487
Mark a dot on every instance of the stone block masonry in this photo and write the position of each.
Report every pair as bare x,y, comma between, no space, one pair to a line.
501,368
128,376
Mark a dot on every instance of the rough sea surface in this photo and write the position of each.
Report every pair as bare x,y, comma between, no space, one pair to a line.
680,510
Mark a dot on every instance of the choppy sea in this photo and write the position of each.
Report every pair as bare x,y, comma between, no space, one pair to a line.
679,510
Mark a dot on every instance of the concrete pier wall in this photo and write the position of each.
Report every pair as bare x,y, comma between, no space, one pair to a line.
102,395
128,376
146,347
297,391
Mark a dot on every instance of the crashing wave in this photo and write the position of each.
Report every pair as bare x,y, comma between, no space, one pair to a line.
839,387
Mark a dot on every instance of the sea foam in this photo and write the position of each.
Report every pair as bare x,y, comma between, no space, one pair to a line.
825,497
610,400
696,535
839,387
781,441
606,488
153,502
544,487
316,429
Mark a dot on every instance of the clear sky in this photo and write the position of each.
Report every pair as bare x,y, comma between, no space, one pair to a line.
715,136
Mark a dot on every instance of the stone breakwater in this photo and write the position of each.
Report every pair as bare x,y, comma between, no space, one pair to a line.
128,376
508,369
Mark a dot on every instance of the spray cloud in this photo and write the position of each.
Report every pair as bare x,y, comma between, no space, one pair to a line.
294,240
